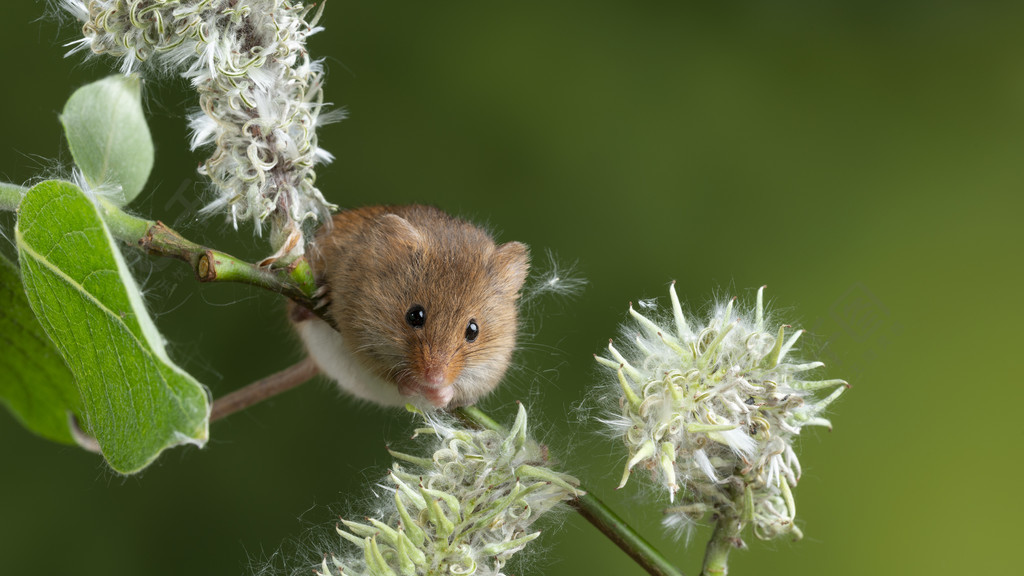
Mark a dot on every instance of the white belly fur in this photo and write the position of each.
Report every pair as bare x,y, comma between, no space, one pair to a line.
327,350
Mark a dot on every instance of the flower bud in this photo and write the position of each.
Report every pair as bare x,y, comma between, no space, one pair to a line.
466,509
712,409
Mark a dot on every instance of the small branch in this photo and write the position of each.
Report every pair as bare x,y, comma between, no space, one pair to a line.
264,388
622,534
725,537
294,280
596,512
10,196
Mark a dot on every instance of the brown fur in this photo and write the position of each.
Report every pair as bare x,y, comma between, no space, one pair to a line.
379,261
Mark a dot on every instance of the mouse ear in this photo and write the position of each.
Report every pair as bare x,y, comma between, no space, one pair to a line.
398,229
510,264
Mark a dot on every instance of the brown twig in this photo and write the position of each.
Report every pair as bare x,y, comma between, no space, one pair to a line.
264,388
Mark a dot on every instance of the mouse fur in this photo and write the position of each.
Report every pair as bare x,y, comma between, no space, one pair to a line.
378,263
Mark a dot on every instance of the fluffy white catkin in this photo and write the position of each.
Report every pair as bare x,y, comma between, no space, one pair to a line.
260,94
465,509
712,409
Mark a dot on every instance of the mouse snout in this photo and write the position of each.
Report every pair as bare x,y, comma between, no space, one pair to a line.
435,376
438,371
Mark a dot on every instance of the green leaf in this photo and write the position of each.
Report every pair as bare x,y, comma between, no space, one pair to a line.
135,401
34,382
10,196
108,136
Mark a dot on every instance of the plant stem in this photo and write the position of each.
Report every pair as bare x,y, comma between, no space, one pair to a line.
596,512
725,537
264,388
476,417
294,280
10,196
623,535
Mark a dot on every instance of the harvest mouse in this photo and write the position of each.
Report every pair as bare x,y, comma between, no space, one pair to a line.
425,305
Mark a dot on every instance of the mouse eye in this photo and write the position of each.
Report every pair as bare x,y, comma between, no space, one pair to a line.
416,316
472,331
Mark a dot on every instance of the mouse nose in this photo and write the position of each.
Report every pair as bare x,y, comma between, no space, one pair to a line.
435,376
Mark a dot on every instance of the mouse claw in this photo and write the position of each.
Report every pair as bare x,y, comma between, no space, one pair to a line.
321,297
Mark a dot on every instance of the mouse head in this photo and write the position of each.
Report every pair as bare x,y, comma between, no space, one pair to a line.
437,312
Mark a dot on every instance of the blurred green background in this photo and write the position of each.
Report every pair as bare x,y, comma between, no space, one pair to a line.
862,159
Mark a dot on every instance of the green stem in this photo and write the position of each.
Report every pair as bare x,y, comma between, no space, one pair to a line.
10,196
623,535
476,417
725,537
596,512
294,280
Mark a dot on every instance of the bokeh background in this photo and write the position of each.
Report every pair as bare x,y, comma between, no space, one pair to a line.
862,159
